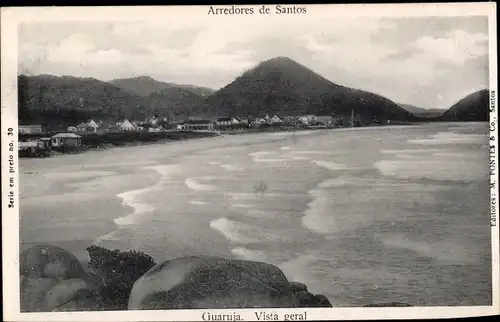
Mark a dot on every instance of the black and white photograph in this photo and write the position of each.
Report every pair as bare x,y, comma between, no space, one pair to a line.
249,162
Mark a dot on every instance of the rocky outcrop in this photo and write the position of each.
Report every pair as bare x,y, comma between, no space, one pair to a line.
212,282
51,279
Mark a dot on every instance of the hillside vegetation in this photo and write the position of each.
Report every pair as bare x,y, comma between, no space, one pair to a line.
276,86
59,101
145,86
472,108
283,86
422,112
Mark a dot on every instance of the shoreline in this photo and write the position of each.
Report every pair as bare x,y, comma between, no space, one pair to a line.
99,142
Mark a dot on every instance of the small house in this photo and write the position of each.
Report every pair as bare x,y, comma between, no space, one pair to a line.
82,127
66,140
126,125
92,126
308,119
72,129
30,129
276,119
262,119
223,121
196,125
325,120
137,126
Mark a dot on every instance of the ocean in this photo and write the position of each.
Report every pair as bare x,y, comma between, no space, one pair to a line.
362,215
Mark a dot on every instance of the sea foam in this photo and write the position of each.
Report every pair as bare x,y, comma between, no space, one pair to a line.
194,184
131,198
250,254
232,230
332,165
450,138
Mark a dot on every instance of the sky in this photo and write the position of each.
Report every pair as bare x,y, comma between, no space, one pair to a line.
430,62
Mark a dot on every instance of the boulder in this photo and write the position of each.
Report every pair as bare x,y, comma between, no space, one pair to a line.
50,277
63,292
297,287
33,292
212,282
49,261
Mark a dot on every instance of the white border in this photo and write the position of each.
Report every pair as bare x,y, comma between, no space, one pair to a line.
11,17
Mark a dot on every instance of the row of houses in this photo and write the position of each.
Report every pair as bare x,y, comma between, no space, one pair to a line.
42,147
153,124
226,122
156,124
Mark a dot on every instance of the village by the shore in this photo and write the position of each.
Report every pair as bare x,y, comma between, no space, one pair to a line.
38,141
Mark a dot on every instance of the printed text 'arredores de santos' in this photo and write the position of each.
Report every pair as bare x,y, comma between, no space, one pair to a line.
265,10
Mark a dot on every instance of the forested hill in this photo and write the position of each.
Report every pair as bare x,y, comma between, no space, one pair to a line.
473,107
283,86
145,86
422,112
61,101
58,101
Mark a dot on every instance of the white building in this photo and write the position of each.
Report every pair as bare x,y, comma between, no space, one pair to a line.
66,140
276,119
92,126
126,125
308,119
29,129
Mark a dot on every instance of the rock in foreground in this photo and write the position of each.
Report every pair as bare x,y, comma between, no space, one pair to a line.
51,279
212,282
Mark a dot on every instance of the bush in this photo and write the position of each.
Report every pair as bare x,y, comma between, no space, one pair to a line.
114,273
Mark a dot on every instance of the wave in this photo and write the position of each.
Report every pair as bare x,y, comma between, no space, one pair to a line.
312,152
250,254
259,153
448,252
330,165
231,167
241,205
251,195
314,218
259,157
299,158
299,269
450,138
243,233
196,202
449,168
261,213
266,156
112,236
449,154
285,148
78,174
193,184
409,151
241,195
232,230
130,198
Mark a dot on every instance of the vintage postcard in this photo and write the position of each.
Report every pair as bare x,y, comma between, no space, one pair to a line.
249,163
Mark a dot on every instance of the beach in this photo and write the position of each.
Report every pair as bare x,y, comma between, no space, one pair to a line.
394,213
